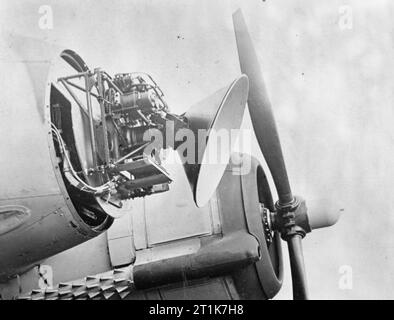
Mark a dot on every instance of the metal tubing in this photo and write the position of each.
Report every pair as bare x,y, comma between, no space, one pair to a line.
91,121
78,75
103,119
131,153
80,88
112,84
79,103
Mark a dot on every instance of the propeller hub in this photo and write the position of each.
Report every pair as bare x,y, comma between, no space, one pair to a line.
291,219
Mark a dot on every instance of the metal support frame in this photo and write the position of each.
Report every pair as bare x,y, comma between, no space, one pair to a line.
103,118
91,120
89,111
101,77
77,101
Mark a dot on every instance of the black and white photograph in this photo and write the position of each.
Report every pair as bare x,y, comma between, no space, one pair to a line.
196,150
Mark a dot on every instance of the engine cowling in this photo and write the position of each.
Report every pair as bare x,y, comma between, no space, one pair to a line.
39,214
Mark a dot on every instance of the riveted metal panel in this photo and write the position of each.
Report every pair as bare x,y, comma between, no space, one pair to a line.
173,215
120,240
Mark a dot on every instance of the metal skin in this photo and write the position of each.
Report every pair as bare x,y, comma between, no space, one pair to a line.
30,174
231,262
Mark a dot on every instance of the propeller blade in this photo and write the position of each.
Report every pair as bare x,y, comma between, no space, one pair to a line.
298,275
260,110
267,135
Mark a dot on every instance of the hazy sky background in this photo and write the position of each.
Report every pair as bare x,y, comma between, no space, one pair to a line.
329,80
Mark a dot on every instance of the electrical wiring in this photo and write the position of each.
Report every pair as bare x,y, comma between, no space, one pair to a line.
97,190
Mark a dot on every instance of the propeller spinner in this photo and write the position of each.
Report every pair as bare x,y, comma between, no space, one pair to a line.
291,218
